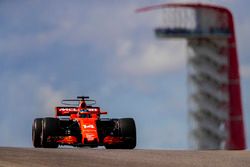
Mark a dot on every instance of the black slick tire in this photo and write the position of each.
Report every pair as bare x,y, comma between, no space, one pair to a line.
36,132
50,127
127,130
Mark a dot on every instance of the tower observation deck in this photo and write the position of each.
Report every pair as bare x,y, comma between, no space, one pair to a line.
213,74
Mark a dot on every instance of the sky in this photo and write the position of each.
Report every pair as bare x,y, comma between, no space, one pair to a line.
50,50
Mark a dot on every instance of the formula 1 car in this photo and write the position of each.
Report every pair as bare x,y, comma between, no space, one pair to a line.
78,123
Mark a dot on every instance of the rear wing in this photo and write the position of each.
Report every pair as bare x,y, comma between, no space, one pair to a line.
67,111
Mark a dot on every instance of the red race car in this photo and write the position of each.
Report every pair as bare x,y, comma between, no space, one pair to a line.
78,123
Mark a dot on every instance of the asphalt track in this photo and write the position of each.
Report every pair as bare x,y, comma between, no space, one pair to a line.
20,157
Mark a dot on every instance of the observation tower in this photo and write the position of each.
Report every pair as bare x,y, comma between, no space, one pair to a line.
213,72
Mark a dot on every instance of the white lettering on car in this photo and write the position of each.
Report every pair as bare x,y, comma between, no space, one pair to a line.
92,109
67,109
89,126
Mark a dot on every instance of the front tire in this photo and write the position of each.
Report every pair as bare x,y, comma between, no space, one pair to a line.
50,127
127,130
36,132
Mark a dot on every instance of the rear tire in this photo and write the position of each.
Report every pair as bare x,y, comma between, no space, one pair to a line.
36,132
50,127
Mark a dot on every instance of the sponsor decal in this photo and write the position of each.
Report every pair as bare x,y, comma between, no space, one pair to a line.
92,109
68,109
89,126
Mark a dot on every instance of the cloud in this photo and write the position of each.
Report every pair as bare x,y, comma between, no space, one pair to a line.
245,71
151,58
24,97
73,26
243,36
